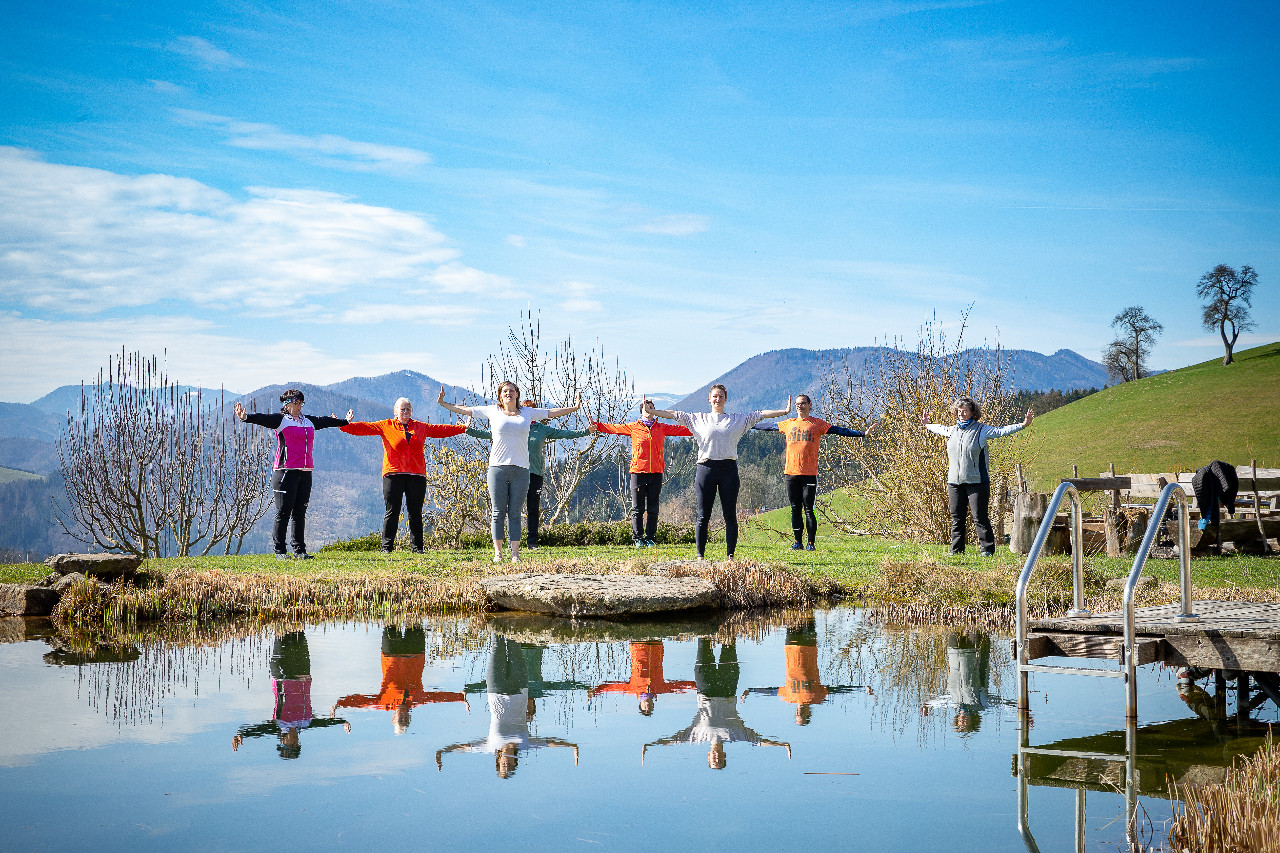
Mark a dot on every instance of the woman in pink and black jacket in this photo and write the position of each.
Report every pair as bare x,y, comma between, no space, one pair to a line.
291,474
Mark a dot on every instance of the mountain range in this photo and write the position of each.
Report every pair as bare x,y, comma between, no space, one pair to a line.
346,501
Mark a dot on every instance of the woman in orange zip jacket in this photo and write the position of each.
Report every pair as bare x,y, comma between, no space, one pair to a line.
404,467
648,462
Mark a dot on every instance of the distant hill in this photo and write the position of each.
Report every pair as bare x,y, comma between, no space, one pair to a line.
765,381
1180,420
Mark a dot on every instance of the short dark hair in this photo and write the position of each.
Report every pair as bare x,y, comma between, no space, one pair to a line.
292,395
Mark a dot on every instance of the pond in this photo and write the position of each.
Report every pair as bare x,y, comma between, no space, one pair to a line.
745,731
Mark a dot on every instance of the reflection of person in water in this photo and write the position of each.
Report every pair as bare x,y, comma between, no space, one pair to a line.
291,684
716,721
968,671
647,680
404,654
804,687
510,709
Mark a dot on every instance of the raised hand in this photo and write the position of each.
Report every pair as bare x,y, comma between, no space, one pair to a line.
239,410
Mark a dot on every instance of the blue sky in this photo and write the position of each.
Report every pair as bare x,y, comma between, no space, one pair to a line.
317,191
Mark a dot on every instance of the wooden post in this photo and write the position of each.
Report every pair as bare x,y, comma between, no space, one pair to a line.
1137,530
1257,506
1022,481
1112,520
1028,513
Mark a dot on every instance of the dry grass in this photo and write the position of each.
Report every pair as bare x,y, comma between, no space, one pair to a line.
1240,815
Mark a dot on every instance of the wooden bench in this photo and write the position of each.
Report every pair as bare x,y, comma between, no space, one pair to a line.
1257,510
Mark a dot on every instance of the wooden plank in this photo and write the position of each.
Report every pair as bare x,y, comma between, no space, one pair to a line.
1099,484
1211,652
1095,646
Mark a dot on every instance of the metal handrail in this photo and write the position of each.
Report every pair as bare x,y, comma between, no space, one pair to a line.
1177,492
1077,577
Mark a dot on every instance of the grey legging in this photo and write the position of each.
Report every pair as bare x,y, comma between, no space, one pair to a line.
508,485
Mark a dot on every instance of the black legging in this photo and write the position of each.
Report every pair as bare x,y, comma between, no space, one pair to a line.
291,488
970,498
413,489
721,475
802,489
533,508
645,489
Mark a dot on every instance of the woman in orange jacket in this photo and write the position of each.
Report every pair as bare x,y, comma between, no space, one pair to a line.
648,462
404,467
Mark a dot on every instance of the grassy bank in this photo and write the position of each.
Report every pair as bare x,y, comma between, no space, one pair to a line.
1180,420
904,579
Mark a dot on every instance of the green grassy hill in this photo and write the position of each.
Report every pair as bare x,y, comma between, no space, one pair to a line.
9,475
1177,421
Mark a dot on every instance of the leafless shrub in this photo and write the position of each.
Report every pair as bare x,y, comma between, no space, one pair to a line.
456,491
898,476
1240,815
153,470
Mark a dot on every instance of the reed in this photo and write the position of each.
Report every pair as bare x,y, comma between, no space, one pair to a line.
1239,815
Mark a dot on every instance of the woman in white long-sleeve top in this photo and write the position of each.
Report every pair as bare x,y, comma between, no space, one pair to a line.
968,480
718,433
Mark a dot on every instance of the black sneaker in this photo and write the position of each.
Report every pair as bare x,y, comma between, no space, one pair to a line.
415,550
810,547
302,555
280,555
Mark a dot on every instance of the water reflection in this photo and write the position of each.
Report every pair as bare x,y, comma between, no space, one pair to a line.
804,687
647,680
716,721
968,692
291,689
403,659
510,710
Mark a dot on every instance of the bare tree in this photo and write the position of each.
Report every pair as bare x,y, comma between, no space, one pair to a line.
1126,357
151,469
456,488
555,378
1228,296
898,476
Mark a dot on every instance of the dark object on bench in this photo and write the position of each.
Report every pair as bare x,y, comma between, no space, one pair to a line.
1215,485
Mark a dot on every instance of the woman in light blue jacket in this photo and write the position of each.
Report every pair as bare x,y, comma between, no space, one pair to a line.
968,481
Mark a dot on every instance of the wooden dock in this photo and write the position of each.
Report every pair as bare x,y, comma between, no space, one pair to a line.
1238,636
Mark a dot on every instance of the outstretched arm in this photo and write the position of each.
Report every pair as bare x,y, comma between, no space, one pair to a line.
657,413
846,432
778,413
567,410
457,410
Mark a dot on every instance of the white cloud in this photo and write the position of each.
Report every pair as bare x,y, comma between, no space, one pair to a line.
516,240
325,149
81,240
431,315
198,48
674,225
40,355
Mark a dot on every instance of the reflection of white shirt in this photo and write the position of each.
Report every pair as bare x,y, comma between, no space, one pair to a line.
508,724
510,433
717,720
962,681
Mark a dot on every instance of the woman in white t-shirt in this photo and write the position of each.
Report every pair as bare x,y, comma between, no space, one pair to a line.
718,433
508,479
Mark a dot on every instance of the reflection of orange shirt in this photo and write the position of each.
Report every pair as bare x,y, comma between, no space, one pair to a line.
804,684
402,443
646,443
401,685
802,444
646,674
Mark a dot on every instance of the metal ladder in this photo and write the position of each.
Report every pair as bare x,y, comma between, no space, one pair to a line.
1173,491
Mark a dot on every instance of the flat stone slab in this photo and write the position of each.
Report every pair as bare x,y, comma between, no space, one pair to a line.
598,595
18,599
95,565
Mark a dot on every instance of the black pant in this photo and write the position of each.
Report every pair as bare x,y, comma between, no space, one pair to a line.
533,507
645,489
965,498
712,678
802,490
413,489
292,491
717,475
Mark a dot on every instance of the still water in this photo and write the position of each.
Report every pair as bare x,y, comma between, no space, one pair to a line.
792,729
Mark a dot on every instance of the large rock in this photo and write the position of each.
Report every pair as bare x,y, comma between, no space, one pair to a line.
95,565
18,599
598,595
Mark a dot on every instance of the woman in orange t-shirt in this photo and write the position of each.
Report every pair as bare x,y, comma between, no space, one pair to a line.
801,469
404,467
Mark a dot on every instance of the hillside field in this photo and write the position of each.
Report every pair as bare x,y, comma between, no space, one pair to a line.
1176,421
